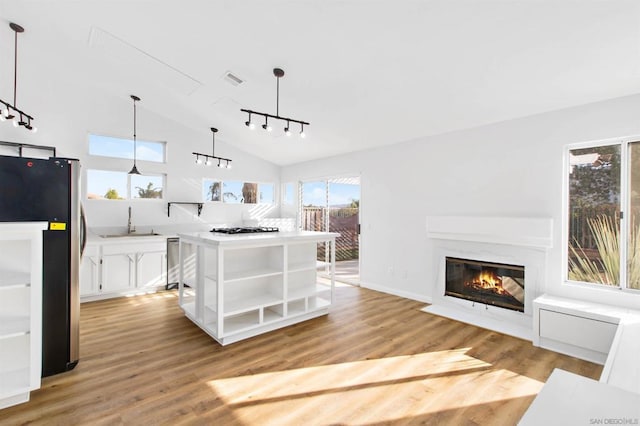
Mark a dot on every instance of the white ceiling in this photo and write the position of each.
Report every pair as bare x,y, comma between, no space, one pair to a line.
363,73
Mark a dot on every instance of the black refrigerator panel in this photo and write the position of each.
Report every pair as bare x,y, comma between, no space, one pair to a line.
48,190
34,190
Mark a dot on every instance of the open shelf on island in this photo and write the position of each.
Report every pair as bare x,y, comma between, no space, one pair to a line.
10,279
250,274
11,326
249,303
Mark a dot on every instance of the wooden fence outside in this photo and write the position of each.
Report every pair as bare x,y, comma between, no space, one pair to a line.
341,220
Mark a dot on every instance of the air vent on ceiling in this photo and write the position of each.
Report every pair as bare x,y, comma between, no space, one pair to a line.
233,79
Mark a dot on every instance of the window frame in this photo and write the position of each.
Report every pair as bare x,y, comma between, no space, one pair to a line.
624,143
163,144
129,186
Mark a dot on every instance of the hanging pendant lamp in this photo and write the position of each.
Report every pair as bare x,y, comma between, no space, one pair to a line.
10,111
134,169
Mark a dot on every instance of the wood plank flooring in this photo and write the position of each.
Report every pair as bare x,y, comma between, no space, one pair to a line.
374,360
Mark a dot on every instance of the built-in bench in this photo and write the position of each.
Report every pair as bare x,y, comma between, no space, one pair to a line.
568,398
585,330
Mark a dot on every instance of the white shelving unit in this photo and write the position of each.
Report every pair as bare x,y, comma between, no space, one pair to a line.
247,285
20,310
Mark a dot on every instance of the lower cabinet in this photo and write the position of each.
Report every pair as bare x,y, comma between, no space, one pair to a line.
111,270
90,270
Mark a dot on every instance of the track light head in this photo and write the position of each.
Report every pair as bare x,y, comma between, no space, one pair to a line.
302,133
266,125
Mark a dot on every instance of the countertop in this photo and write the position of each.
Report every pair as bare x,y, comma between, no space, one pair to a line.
215,238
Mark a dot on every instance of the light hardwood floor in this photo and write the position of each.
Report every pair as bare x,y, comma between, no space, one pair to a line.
375,359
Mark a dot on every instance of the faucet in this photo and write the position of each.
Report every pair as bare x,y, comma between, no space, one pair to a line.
129,228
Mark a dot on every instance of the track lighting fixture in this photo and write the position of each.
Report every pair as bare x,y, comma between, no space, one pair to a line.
134,169
210,158
11,111
279,73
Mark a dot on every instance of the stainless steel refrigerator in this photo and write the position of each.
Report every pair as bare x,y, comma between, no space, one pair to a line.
33,189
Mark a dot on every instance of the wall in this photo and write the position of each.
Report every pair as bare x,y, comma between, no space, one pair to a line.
513,168
66,113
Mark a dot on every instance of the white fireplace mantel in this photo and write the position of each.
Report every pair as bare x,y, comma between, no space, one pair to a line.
510,240
517,231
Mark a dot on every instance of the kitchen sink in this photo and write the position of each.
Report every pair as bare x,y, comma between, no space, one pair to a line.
133,234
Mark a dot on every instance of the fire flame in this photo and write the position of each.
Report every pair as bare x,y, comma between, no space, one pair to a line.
487,280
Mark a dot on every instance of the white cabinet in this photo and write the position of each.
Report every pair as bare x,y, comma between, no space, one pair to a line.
20,310
151,269
89,270
117,272
119,268
246,286
574,327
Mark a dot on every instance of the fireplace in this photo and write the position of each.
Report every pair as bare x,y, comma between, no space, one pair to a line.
485,283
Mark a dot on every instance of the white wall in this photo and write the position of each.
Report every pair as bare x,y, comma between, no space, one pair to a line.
65,115
513,168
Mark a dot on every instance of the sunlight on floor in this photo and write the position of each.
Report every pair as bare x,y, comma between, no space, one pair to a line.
404,386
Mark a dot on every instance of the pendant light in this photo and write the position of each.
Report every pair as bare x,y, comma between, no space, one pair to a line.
278,73
134,169
10,111
224,163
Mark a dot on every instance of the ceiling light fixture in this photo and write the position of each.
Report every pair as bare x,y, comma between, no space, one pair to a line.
134,169
279,73
11,111
208,158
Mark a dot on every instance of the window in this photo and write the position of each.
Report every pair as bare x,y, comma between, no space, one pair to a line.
212,190
603,205
266,193
106,146
237,192
114,185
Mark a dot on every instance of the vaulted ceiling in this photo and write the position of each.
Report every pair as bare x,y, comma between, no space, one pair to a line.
363,73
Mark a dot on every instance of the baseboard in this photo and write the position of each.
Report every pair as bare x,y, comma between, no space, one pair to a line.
396,292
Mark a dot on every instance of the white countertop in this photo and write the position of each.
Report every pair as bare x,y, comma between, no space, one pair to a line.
216,238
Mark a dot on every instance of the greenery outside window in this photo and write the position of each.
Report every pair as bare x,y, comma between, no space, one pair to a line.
212,190
603,207
237,192
116,185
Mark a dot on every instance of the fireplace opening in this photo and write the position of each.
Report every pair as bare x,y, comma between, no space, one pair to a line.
485,282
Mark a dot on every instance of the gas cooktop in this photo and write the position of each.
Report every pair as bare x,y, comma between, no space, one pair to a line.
245,230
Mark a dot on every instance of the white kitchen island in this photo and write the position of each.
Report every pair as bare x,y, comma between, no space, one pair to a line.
249,284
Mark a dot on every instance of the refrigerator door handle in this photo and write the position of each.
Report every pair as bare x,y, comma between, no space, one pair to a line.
83,230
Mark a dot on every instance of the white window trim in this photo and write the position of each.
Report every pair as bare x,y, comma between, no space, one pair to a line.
624,207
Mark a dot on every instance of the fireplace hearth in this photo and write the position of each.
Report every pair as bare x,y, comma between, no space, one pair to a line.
486,283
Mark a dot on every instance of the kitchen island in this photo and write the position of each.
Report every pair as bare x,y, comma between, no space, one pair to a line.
249,284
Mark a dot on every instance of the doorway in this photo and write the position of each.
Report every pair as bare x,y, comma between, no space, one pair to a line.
333,205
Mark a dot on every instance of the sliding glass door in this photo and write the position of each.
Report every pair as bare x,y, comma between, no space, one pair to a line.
333,205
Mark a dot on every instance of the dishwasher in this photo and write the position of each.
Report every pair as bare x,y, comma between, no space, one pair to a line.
173,263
